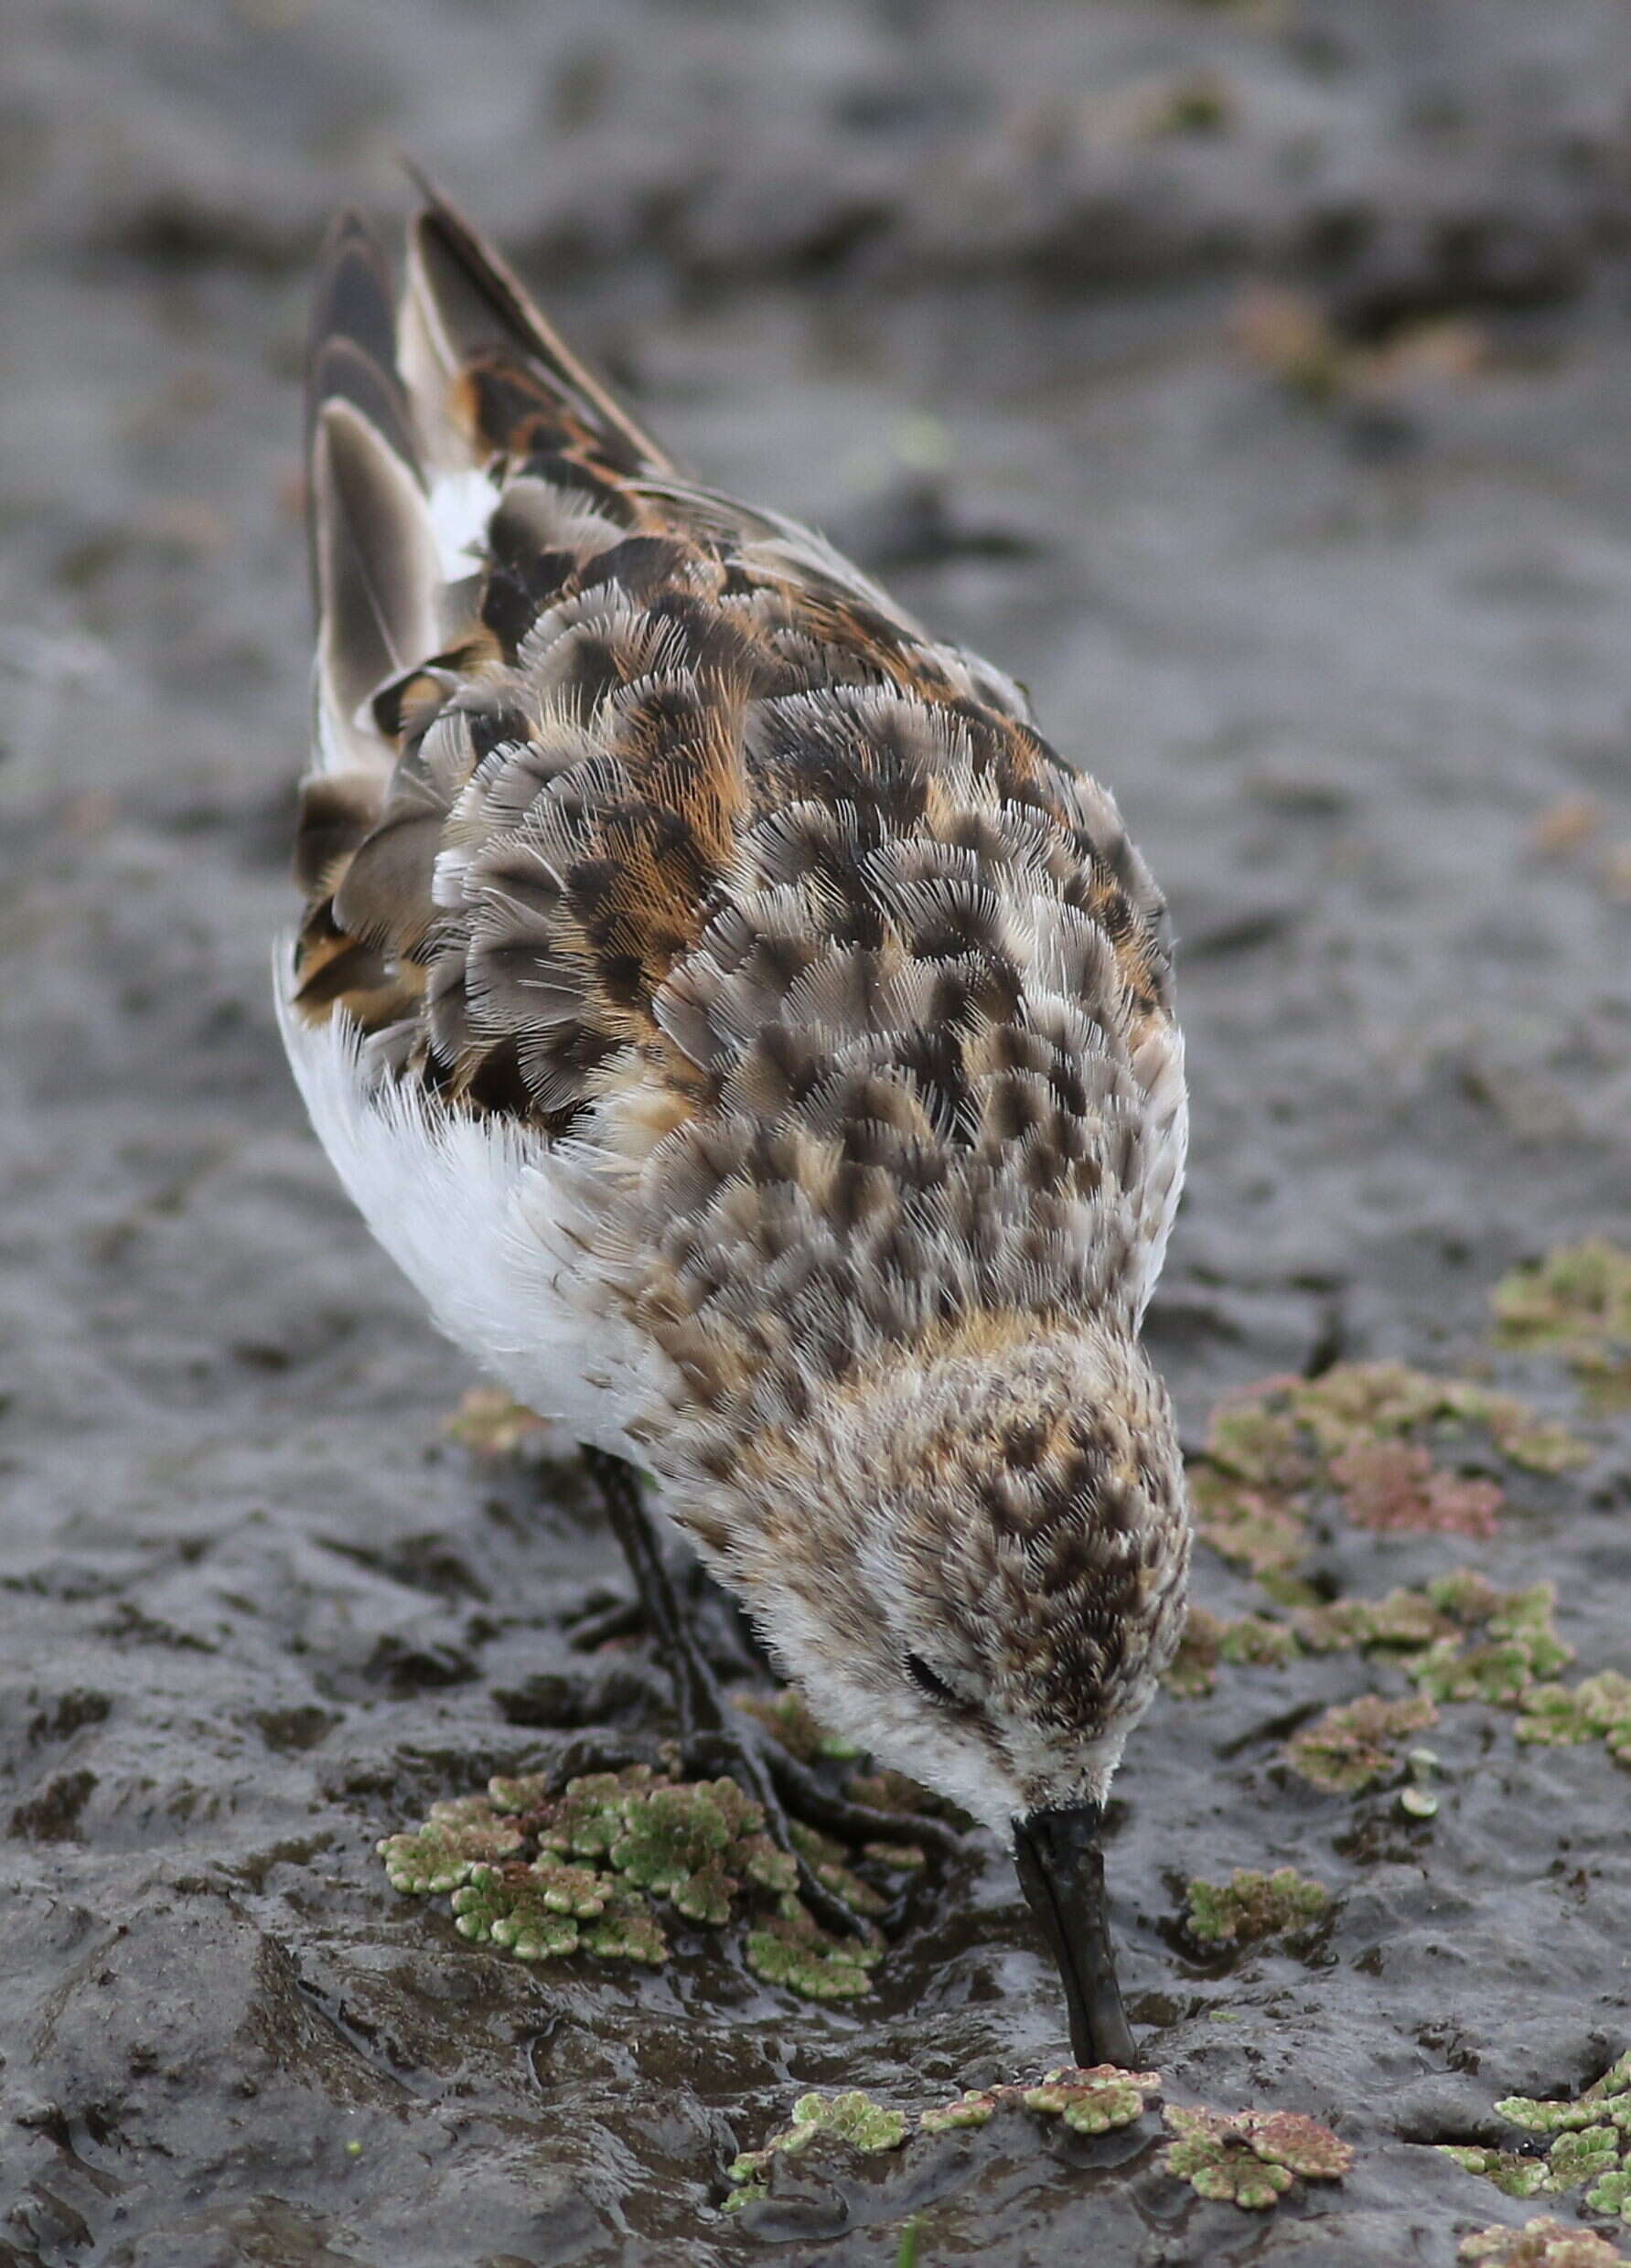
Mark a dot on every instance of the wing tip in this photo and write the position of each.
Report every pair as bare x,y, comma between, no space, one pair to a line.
469,300
353,309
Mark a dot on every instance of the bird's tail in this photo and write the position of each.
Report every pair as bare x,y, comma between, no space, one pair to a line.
419,407
416,406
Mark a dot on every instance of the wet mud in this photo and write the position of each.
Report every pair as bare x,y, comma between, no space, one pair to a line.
1251,380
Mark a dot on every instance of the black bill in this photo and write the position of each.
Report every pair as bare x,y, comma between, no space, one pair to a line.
1061,1871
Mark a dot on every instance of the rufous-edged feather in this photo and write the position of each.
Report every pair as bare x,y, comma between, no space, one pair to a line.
479,360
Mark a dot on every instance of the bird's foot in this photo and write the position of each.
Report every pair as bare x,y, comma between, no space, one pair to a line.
600,1625
802,1809
744,1753
832,1812
839,1900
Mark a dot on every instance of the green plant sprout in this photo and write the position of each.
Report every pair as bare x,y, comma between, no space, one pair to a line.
1355,1746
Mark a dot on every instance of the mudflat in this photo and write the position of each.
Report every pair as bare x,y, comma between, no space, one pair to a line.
1252,382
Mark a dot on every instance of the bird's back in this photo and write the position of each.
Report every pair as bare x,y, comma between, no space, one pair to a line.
645,832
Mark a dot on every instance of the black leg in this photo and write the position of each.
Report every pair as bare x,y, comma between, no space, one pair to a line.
721,1628
620,1618
715,1738
696,1690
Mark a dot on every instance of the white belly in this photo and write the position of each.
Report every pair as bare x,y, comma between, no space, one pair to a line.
479,1216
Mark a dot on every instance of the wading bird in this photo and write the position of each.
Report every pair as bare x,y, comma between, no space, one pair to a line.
756,1044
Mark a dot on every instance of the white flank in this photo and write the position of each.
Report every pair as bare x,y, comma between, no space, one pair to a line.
461,504
476,1213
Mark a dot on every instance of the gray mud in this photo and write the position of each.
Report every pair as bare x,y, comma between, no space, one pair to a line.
934,276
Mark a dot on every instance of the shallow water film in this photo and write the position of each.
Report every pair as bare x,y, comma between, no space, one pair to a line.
1251,380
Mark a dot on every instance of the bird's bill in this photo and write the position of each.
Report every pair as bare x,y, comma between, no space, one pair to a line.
1060,1861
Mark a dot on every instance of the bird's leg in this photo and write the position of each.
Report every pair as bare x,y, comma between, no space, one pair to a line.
694,1604
696,1690
713,1736
597,1626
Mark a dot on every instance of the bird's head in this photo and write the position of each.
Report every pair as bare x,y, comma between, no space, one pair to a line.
973,1561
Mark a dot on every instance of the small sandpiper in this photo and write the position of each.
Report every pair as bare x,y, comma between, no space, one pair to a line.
755,1043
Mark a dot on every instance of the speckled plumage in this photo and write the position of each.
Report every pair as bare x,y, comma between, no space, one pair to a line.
753,1038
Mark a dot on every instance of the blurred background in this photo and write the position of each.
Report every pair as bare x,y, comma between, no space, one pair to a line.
1250,379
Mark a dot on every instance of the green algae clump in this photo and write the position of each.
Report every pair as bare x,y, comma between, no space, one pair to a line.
626,1930
679,1842
1458,1636
591,1814
1610,2096
1404,1622
1520,1649
1590,2147
853,2118
457,1837
1251,1906
1353,1746
1590,2154
826,1860
1506,2170
506,1907
1208,1640
792,1949
1395,1488
541,1873
1575,1304
1092,2100
1541,2243
1376,1442
1612,2194
1599,1708
789,1718
1400,1622
1249,2158
973,2107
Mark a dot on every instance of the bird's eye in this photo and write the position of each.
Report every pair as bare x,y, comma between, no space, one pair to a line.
928,1681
